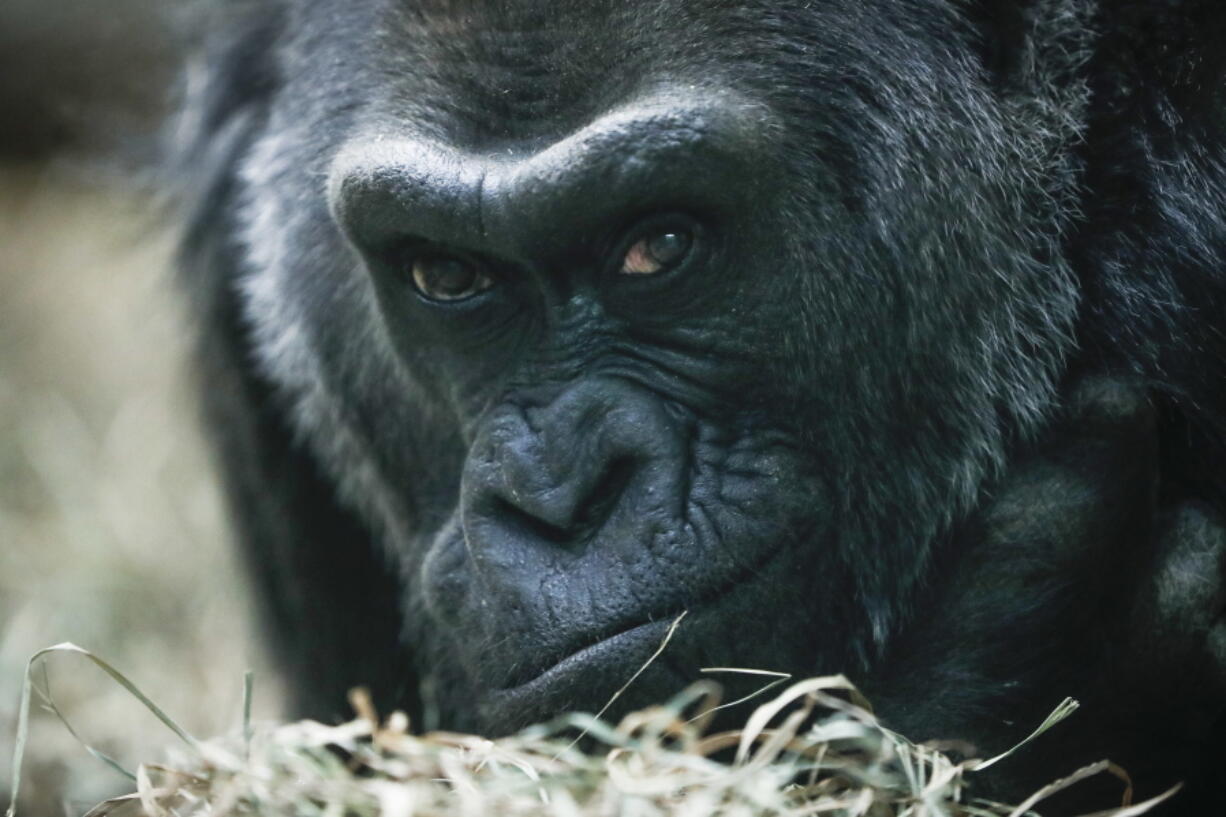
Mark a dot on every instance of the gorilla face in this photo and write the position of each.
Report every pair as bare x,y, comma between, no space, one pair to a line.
602,312
580,309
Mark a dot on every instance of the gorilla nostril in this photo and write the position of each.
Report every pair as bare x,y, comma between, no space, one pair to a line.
527,524
573,516
605,495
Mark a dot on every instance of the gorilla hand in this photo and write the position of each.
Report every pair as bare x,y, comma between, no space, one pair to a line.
1073,563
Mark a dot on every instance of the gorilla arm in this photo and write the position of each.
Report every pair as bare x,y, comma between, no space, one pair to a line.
1075,578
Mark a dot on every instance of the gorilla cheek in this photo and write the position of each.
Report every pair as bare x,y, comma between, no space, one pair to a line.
444,577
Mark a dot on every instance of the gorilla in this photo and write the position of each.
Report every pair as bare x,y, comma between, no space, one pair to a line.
882,337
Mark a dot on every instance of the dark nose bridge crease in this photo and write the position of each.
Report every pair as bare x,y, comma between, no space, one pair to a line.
554,474
518,204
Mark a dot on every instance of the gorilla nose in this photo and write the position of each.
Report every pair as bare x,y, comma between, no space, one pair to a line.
568,513
555,474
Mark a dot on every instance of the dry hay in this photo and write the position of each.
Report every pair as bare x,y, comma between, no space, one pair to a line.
815,749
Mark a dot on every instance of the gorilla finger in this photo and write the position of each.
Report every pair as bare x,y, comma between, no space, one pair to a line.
1103,447
1108,404
1088,481
1179,621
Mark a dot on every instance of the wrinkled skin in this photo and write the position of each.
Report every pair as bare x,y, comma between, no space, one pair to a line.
928,388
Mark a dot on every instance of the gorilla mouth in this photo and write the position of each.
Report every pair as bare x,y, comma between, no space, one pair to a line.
606,650
539,673
620,643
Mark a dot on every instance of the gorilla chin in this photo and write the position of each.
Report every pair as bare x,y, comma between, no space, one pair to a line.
878,337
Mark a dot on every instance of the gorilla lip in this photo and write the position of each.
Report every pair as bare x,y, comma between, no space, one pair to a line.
624,639
606,651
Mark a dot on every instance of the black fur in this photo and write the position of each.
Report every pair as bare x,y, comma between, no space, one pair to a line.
939,401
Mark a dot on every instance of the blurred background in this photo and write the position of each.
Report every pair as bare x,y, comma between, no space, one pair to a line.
111,530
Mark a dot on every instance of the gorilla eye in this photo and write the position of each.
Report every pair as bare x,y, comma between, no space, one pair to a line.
448,278
657,252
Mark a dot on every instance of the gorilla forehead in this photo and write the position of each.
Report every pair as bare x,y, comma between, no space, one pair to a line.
524,69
